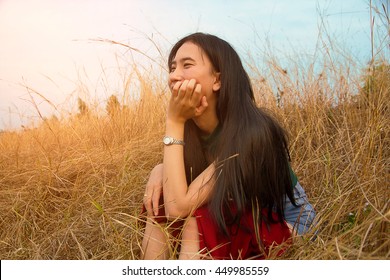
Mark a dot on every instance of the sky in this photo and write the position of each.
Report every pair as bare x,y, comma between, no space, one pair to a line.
50,53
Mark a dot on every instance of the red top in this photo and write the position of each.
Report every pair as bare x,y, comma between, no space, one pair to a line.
241,242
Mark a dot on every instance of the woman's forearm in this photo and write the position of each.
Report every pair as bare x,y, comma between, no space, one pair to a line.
187,101
174,178
179,198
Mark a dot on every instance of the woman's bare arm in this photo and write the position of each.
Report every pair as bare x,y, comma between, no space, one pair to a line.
179,198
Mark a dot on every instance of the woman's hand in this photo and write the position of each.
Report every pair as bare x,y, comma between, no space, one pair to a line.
153,190
186,101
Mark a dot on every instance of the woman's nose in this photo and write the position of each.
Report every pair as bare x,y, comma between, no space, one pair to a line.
175,75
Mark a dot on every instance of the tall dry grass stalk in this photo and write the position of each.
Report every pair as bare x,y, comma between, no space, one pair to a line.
71,188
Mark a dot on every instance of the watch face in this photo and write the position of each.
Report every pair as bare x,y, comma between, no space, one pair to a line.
167,140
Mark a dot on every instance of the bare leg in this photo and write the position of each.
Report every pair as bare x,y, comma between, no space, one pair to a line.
155,242
190,241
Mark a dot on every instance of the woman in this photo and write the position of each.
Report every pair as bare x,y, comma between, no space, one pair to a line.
226,162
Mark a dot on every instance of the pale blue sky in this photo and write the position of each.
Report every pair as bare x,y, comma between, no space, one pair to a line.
45,43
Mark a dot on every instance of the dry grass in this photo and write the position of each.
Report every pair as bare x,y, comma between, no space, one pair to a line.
71,188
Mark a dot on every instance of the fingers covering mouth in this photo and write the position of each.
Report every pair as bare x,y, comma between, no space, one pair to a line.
172,85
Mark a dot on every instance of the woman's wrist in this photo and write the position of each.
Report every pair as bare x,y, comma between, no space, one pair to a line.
174,120
174,124
174,128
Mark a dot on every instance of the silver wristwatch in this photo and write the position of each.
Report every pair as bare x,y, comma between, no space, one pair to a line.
172,141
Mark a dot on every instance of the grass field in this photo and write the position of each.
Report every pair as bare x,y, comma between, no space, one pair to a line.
72,187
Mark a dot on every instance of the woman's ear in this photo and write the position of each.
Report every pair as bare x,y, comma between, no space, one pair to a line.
217,82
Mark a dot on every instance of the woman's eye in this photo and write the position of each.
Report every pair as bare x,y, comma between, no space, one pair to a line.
187,65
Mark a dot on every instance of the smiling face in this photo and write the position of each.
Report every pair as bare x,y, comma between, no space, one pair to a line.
190,62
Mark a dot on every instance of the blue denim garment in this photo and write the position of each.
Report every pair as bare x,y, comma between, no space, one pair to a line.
301,218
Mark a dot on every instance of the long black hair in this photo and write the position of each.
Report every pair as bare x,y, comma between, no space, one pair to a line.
251,151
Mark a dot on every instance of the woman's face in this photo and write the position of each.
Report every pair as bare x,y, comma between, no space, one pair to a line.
191,62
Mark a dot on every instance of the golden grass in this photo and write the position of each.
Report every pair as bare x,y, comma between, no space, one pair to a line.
72,188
